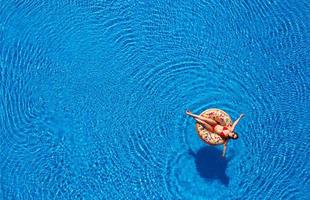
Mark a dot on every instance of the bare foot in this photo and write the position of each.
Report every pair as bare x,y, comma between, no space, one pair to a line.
188,112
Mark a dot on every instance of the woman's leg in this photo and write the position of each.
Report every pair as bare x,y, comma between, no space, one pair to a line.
204,124
210,121
207,120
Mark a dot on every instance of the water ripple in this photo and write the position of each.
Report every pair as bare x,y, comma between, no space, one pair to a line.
93,96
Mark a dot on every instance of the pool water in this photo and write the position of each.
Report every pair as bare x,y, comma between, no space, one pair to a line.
93,97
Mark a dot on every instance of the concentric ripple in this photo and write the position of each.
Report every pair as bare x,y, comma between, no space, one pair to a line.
93,97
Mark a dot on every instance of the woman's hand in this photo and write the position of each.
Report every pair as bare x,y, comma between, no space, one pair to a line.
236,122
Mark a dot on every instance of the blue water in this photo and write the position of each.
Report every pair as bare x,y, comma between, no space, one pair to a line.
93,97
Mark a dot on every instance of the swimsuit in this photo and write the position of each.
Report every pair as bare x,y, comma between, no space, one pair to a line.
222,134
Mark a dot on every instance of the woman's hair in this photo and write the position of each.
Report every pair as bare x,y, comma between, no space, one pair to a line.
235,135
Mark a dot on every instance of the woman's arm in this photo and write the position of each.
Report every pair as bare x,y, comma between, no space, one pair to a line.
236,122
225,147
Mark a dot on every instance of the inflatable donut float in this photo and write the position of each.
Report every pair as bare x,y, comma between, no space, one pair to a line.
221,117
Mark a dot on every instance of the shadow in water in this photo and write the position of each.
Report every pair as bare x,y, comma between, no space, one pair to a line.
210,164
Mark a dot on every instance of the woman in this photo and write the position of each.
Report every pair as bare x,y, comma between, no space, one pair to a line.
214,126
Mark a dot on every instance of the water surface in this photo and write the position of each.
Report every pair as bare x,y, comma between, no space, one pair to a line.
93,98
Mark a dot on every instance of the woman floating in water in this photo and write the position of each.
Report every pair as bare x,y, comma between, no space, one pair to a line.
216,127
